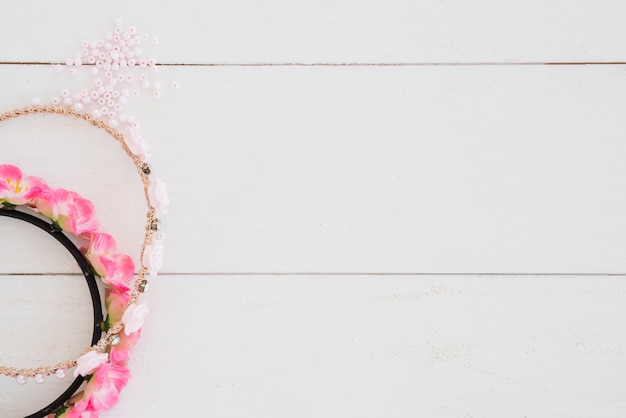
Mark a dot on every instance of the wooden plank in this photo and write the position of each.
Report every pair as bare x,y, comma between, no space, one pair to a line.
281,31
448,170
319,346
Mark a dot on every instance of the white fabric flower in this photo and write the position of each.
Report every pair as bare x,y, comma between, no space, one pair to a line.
153,257
159,198
88,362
134,316
136,144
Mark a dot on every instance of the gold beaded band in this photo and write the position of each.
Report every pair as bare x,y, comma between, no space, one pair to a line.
140,284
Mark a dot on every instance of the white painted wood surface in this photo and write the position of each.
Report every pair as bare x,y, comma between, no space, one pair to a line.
422,192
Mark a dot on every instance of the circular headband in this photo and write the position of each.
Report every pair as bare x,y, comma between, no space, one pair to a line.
93,291
104,363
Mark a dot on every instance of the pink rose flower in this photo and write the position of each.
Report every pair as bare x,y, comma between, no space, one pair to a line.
136,144
88,362
15,189
69,210
103,390
134,317
153,257
116,302
117,270
159,198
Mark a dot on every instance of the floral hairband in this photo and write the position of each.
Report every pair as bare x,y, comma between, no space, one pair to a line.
104,365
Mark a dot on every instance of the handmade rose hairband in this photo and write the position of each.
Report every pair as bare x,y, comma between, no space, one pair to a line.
104,363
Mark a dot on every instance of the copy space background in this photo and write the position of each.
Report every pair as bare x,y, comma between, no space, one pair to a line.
379,209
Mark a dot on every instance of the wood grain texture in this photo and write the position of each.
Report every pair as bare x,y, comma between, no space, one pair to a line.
369,169
347,31
280,159
327,346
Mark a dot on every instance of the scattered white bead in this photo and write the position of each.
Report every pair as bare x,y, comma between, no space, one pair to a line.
21,379
175,85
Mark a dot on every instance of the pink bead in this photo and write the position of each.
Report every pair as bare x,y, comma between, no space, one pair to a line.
101,90
85,52
143,63
96,114
86,100
115,66
117,30
104,110
130,78
145,84
118,106
112,114
96,53
108,74
60,373
110,102
136,93
98,83
102,56
78,107
135,125
67,101
101,101
175,85
106,66
84,92
122,100
21,379
36,101
78,62
125,92
91,59
143,77
123,63
108,46
132,30
77,96
112,82
65,93
156,93
72,71
116,38
85,44
115,94
59,68
99,44
94,94
69,62
131,62
125,35
121,77
55,101
113,123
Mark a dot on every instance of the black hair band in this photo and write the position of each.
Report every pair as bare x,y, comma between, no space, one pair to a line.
93,290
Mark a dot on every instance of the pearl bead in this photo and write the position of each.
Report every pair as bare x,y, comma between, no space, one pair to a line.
60,373
40,378
78,107
21,379
113,123
96,114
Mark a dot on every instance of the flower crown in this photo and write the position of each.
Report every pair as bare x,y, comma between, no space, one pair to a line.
104,365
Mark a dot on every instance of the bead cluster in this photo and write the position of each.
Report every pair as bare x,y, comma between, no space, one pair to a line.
113,63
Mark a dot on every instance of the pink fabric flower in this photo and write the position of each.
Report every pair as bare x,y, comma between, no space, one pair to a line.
89,361
153,257
116,270
17,190
159,198
136,144
116,302
134,317
103,390
69,210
